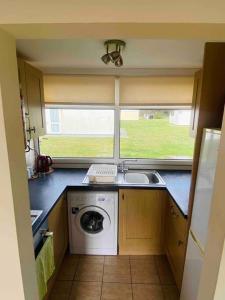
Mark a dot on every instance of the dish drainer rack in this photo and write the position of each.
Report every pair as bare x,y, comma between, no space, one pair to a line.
102,173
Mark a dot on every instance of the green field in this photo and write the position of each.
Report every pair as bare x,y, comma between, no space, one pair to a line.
155,138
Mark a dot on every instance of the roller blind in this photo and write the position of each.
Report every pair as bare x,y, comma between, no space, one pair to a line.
71,89
156,90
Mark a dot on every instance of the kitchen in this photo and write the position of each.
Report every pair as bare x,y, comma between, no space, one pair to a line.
141,215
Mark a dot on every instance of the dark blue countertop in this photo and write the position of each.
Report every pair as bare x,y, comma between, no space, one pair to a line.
45,191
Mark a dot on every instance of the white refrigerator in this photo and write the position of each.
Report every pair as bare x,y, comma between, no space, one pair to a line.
201,213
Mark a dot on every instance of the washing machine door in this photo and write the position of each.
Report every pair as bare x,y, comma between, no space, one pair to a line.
92,220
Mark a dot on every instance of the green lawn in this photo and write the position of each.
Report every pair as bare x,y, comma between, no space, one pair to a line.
69,146
155,138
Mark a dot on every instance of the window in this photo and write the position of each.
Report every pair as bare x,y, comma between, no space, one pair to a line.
79,133
161,133
155,134
101,119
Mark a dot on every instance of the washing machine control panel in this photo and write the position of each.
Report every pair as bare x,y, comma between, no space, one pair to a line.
75,210
100,198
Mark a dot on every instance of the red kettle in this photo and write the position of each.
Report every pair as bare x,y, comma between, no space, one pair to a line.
43,163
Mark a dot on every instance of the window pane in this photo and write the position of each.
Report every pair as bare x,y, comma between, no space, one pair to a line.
54,128
54,115
78,133
156,134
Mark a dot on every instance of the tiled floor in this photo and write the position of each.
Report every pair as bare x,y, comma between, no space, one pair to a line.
115,278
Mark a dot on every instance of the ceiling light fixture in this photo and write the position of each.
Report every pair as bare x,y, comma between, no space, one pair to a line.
113,52
106,57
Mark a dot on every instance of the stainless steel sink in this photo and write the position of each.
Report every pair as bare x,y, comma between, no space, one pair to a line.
35,214
143,177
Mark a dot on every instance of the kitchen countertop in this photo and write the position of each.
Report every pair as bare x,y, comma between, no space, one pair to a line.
46,190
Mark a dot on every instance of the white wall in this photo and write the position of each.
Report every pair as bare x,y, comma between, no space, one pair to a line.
117,11
220,288
17,267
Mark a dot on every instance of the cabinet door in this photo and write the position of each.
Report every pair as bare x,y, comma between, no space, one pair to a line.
23,98
22,82
57,223
175,241
141,221
196,102
34,94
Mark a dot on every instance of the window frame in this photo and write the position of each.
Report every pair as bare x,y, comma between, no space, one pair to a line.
136,163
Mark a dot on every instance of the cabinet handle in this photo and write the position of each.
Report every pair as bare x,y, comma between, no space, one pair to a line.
46,233
180,243
30,129
174,214
123,196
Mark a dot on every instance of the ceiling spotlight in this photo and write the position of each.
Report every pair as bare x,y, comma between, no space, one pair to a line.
119,62
113,52
114,55
106,57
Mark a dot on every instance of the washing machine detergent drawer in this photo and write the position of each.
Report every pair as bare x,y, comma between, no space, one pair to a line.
93,218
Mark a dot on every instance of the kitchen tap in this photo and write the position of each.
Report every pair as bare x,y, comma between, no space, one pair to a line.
122,168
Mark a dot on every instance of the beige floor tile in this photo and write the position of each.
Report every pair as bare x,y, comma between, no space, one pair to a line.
144,272
89,272
117,260
86,291
71,258
146,258
119,272
61,290
170,292
92,259
147,292
68,269
116,291
164,271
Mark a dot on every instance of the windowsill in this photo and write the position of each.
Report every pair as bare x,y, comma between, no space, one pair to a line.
139,164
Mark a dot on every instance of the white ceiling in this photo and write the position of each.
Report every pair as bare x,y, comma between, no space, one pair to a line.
78,55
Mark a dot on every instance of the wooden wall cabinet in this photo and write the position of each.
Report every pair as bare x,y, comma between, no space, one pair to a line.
175,240
141,221
58,224
32,94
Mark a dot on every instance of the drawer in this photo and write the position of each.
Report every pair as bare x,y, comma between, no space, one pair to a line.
178,221
175,252
175,240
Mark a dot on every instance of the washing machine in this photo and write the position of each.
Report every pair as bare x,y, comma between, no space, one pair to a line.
93,222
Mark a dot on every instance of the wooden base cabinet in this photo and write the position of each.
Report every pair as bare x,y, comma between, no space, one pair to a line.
141,221
58,224
175,240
